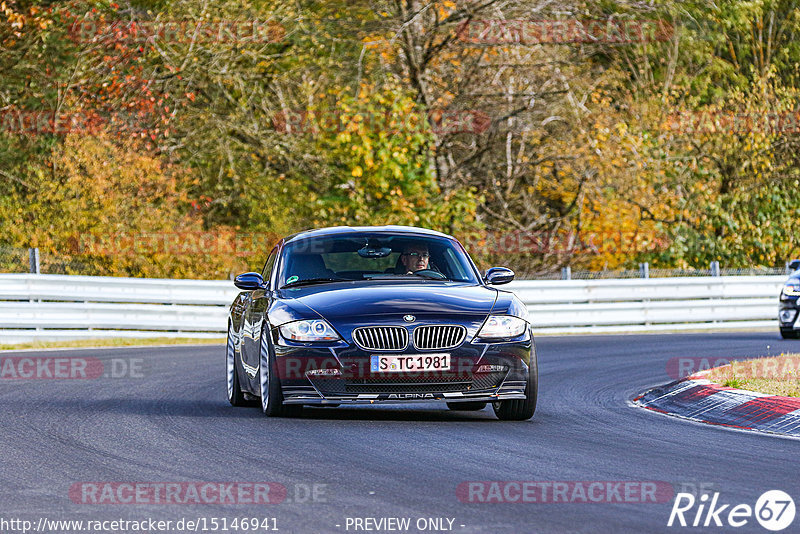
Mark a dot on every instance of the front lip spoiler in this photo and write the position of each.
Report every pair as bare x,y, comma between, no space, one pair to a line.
374,398
508,390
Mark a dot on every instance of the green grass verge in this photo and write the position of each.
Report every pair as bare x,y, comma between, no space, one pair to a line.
112,342
777,375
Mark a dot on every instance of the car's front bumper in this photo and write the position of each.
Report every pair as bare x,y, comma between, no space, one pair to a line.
354,383
791,306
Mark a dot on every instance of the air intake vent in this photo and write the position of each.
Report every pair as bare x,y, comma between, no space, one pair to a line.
381,337
438,336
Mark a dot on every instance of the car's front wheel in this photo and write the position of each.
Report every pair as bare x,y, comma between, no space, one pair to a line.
521,409
271,395
235,395
789,333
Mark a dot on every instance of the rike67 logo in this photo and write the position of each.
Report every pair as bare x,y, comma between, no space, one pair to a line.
774,510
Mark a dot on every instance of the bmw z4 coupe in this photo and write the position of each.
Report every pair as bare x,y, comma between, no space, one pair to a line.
373,315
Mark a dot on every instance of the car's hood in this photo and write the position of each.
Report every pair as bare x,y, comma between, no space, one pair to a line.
347,301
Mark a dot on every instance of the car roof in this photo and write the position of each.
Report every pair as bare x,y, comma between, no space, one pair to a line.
343,230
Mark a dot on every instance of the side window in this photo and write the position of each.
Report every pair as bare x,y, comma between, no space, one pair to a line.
266,274
453,268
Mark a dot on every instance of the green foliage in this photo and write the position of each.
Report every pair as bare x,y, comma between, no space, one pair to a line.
745,227
734,383
378,168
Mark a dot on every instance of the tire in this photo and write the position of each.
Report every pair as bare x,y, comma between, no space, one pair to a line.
270,385
788,333
472,406
521,409
235,395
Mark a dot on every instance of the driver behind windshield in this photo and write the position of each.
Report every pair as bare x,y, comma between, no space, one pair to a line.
414,257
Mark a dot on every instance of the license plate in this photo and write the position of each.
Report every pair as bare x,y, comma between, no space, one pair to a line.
398,363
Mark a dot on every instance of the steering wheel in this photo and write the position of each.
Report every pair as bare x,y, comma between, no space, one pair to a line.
431,272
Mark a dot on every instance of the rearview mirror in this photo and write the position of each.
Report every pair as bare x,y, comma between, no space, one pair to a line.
794,265
498,275
249,281
374,252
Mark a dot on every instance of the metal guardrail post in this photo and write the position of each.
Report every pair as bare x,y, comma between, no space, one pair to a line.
714,268
566,273
644,272
33,260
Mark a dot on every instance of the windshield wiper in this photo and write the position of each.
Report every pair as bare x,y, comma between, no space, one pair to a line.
312,281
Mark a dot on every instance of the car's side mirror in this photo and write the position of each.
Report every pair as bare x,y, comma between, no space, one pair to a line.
498,275
794,265
249,281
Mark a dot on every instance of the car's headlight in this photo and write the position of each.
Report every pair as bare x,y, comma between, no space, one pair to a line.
313,330
502,326
792,289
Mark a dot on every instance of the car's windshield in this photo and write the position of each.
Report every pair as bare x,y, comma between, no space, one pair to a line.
373,256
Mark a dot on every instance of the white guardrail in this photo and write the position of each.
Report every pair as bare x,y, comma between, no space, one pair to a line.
56,307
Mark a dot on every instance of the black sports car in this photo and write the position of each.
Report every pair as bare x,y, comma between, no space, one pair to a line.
790,305
379,315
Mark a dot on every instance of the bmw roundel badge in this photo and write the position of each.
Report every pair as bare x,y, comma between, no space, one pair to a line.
409,318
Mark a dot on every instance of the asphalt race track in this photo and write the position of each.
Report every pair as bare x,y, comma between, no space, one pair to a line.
171,422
